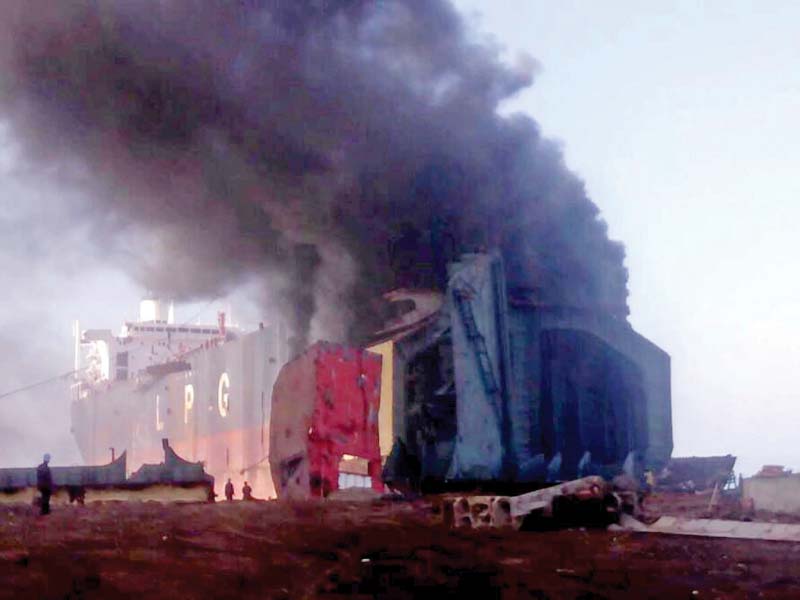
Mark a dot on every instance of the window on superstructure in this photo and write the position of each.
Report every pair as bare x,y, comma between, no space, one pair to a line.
122,366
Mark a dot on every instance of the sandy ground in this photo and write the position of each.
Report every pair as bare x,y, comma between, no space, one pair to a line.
340,549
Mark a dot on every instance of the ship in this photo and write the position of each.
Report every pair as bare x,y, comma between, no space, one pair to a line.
486,386
205,387
478,384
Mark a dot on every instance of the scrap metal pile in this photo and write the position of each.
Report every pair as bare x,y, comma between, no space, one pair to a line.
173,480
697,472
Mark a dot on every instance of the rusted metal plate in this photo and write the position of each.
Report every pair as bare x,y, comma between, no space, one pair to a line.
325,408
748,530
172,480
704,472
425,306
112,473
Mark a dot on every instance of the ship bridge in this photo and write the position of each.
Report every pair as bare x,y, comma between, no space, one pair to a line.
101,356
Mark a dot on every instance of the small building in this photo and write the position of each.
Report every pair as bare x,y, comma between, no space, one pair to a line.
774,490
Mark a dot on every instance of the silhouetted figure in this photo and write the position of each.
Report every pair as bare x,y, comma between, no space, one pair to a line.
247,492
229,490
44,482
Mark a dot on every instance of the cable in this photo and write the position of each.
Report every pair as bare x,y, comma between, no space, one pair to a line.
200,312
40,383
76,371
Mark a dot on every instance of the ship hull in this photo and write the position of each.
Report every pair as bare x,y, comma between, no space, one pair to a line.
215,410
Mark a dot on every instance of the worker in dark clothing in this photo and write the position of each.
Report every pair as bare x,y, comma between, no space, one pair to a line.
229,490
247,492
44,482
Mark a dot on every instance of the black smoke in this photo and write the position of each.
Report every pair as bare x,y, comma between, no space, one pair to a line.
333,148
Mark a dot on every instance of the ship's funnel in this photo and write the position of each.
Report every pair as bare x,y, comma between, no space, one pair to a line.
150,310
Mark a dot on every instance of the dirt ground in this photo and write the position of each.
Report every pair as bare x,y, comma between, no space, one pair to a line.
339,549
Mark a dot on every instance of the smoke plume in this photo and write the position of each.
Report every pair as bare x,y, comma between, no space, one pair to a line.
334,149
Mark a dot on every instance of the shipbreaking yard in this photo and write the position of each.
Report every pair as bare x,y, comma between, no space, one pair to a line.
368,549
439,388
425,465
587,538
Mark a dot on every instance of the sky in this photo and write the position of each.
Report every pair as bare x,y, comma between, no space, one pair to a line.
682,118
682,121
51,277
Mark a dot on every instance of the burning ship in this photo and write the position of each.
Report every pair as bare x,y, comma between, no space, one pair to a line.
351,147
477,385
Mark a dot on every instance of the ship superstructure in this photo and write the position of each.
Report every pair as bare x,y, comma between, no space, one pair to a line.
150,342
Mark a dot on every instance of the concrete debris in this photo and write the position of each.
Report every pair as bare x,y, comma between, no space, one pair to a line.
587,500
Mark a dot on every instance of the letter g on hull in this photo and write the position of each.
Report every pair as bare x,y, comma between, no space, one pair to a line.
223,395
188,401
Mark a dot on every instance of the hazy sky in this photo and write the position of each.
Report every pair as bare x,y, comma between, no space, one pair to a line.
682,118
51,275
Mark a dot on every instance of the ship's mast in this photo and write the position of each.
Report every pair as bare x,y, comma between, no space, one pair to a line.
76,333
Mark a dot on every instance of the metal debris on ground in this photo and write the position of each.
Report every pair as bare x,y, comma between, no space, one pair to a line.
749,530
586,500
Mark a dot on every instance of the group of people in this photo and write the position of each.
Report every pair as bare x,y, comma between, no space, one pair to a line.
247,491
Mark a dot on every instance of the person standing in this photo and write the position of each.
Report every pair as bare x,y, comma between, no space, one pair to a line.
229,490
247,492
44,483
